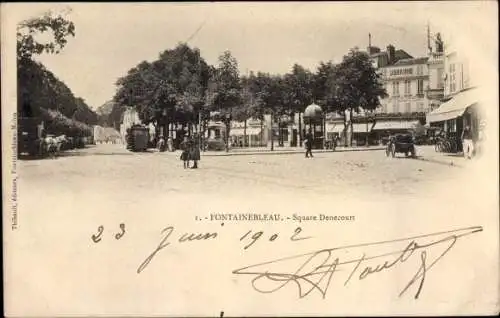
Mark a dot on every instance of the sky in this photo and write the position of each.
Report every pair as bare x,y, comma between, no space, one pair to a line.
270,37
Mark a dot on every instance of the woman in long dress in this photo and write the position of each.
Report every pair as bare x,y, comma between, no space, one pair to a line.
195,151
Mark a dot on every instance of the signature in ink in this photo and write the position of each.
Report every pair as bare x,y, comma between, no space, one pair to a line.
315,271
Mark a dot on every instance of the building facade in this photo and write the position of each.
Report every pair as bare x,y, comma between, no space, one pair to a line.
405,82
456,74
130,117
461,101
435,89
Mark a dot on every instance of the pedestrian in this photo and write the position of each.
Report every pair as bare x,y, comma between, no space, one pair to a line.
170,144
335,142
185,152
467,143
195,151
309,144
161,144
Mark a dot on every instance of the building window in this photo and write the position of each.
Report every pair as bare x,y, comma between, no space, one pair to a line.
420,87
440,79
408,107
395,88
395,107
420,107
453,83
407,87
420,70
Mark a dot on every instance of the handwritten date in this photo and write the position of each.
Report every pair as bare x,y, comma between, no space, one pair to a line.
100,230
189,237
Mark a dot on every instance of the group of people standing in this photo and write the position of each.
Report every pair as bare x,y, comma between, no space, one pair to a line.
190,147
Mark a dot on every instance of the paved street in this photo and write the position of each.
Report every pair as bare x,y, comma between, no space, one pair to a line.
115,173
63,202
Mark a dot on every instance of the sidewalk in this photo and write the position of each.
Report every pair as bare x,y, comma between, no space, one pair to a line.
283,151
428,153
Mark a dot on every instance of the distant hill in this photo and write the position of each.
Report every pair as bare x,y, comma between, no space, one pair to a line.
105,109
107,113
110,114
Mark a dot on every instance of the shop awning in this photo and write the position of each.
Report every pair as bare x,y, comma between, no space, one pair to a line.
251,131
334,128
455,107
362,128
396,125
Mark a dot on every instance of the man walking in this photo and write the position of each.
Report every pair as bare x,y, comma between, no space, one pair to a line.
309,143
467,143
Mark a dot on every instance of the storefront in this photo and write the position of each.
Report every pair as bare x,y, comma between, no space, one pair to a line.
385,128
362,134
249,137
334,130
452,116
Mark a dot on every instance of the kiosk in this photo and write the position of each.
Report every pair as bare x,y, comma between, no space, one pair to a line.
314,120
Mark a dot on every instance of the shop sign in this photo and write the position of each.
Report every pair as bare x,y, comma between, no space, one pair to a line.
401,71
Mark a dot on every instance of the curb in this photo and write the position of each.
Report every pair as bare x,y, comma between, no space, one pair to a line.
450,163
278,152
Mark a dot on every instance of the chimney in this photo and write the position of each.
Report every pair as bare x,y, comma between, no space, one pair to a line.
391,54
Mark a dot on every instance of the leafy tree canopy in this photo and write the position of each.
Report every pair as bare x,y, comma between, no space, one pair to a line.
29,30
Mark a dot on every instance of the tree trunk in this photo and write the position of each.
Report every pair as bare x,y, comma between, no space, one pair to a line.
346,132
300,129
367,134
261,131
279,132
157,130
202,135
352,131
227,136
272,133
324,132
245,133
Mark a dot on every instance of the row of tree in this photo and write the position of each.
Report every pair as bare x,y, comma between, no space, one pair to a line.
180,87
40,93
